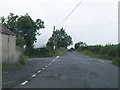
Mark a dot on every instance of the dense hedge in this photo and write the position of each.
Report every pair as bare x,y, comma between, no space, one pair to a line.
111,51
47,52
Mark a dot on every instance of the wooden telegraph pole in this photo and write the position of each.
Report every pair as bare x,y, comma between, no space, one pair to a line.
54,38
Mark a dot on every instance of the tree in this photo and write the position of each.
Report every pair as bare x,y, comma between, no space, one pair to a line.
3,20
59,39
24,28
10,22
29,29
20,41
79,44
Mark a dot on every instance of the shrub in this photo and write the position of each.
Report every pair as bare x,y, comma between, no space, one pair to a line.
116,61
23,59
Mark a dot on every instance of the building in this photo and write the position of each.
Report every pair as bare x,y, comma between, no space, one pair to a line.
10,53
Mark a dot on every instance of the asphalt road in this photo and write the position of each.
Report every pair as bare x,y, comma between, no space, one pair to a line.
73,70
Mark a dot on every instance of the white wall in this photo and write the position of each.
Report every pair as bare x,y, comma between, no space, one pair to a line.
10,53
0,58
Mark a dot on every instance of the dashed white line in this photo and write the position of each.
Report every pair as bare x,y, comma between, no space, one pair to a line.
34,75
24,83
43,69
39,71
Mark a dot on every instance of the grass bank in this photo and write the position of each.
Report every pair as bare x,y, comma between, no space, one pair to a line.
22,61
115,60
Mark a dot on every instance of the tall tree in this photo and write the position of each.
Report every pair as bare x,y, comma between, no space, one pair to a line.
59,39
24,28
10,22
29,29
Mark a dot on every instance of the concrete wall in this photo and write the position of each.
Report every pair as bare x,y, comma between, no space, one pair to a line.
10,53
0,60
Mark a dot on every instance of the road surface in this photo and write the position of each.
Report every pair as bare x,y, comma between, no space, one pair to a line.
73,70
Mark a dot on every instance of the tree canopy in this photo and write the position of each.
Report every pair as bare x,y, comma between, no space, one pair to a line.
59,39
24,27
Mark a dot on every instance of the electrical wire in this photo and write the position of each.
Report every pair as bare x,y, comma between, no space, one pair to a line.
70,13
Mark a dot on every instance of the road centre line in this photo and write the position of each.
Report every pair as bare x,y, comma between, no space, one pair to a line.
34,75
39,71
24,83
57,56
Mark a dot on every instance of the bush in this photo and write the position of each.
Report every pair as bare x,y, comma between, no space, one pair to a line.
116,61
20,41
23,60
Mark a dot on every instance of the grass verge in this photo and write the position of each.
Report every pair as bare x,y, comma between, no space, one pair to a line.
23,60
115,61
58,52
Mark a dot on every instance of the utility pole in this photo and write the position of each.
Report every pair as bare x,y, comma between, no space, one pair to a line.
54,38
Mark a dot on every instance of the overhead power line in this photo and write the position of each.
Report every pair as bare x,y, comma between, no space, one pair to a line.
70,12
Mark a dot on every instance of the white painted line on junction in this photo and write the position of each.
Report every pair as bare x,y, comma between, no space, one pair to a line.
101,60
24,83
43,68
34,75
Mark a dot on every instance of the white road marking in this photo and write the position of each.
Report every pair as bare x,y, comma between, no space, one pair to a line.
57,56
24,83
43,69
52,60
39,71
34,75
101,60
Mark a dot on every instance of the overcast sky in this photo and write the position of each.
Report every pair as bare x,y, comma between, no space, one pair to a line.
94,21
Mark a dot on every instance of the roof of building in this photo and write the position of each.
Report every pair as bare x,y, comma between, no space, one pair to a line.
7,31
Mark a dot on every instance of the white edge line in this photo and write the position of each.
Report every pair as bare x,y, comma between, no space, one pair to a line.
46,66
24,83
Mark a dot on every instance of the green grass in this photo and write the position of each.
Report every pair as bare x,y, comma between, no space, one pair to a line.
6,67
115,61
48,52
23,60
96,55
58,52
